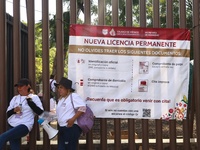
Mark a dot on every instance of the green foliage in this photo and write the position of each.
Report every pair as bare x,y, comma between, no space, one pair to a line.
38,53
38,69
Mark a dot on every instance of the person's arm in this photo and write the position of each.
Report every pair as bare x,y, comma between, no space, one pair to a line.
70,122
34,107
10,112
75,98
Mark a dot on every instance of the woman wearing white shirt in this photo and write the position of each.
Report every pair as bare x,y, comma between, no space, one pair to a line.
21,112
69,131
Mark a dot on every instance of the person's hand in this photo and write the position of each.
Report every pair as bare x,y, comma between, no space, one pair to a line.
70,122
28,99
17,109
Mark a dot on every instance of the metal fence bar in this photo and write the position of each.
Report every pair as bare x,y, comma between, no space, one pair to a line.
182,20
196,41
102,121
59,40
101,12
117,128
16,41
3,49
131,134
87,19
156,14
169,14
186,136
87,12
142,13
145,126
158,141
103,132
45,63
115,6
131,126
31,61
158,123
131,122
172,125
73,11
129,15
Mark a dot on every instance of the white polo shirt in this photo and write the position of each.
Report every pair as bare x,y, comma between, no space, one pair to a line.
27,115
65,110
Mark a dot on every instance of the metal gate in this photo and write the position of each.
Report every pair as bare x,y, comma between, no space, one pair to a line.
116,134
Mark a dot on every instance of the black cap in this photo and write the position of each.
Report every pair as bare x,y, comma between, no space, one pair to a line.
66,83
23,81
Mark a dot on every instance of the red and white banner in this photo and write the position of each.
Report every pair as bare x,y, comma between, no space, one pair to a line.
127,72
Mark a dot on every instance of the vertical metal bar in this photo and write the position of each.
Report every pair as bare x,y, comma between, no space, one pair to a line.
87,16
59,40
156,24
115,6
145,134
101,12
129,16
16,41
145,126
31,61
3,49
117,127
192,109
172,123
142,13
186,136
196,42
87,12
31,42
182,20
103,131
159,142
45,63
131,125
131,134
89,141
73,12
169,14
103,121
156,14
182,13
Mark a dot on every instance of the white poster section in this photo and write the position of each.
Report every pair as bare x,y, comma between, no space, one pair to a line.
127,72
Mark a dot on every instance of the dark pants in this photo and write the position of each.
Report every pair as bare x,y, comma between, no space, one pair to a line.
68,137
13,135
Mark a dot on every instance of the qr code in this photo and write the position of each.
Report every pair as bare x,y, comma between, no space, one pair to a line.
146,113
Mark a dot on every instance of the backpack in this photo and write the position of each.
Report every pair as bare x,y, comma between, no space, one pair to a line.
86,120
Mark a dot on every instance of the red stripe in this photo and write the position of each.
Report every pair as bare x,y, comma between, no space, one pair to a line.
129,32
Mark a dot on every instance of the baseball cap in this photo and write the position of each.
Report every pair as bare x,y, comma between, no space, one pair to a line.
23,81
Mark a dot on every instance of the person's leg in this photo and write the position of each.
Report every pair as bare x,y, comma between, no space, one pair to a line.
13,134
61,138
17,133
3,140
15,144
74,134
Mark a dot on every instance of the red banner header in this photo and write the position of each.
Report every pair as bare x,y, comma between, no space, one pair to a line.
129,32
